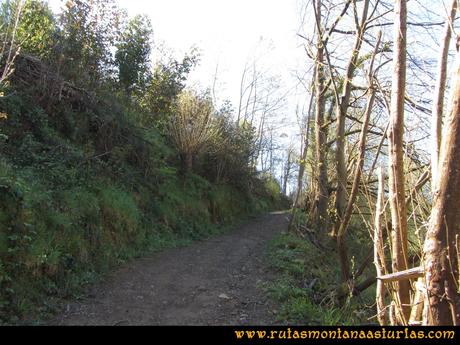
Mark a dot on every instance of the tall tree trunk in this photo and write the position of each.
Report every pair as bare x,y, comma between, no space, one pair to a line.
441,245
187,162
396,162
342,228
272,164
341,247
439,91
242,92
379,254
260,133
341,113
303,160
322,194
287,171
343,225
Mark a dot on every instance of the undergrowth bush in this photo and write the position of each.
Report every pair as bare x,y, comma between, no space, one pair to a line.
305,286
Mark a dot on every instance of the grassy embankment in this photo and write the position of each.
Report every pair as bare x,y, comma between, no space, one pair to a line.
308,275
83,189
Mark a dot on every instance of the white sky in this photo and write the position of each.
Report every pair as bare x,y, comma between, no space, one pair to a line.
227,33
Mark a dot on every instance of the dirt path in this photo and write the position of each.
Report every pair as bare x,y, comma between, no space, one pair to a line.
215,282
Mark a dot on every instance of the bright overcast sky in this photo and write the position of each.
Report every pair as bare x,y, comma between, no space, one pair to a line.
227,33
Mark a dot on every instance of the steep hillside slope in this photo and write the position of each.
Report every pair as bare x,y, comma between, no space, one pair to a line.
84,186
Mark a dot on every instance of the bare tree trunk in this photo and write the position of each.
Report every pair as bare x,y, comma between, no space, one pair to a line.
342,250
342,108
287,169
303,159
260,136
396,162
418,302
284,177
439,91
341,247
242,92
379,254
322,194
10,49
441,244
384,134
187,162
272,164
253,85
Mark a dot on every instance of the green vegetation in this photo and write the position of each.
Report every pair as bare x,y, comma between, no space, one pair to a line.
306,284
89,175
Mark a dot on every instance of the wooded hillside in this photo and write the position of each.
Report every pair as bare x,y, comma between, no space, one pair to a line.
368,156
104,157
108,153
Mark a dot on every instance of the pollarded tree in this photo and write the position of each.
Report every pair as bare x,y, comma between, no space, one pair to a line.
230,152
133,54
191,126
